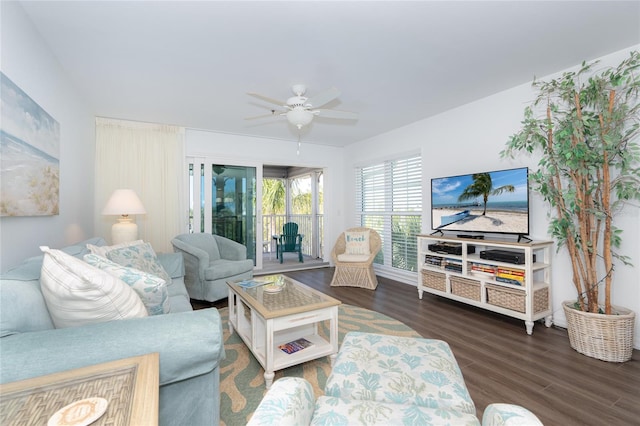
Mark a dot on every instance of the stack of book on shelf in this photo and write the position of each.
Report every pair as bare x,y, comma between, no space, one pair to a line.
510,276
453,265
433,260
483,270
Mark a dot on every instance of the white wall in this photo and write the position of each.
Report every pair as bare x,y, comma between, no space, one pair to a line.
251,151
469,139
28,62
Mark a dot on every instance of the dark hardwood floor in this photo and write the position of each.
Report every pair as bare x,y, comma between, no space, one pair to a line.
500,362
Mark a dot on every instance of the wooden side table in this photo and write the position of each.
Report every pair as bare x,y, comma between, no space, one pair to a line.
130,385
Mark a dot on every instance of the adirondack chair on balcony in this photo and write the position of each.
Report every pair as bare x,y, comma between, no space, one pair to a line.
289,241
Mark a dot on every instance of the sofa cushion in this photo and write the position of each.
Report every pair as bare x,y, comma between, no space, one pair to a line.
357,242
77,293
151,289
28,270
190,344
22,307
220,269
399,370
139,256
80,249
173,263
31,267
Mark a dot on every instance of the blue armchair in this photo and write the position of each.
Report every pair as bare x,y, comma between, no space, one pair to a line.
289,241
210,261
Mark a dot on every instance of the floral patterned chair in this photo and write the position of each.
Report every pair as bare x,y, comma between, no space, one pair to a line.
382,380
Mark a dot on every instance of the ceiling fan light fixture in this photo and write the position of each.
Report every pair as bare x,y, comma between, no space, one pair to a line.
299,117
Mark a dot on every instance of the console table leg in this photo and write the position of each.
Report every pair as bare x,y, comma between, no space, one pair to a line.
529,325
420,294
268,378
548,321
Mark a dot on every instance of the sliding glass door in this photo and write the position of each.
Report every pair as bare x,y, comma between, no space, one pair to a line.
223,202
233,214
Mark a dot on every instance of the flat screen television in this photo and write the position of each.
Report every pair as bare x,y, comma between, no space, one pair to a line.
495,202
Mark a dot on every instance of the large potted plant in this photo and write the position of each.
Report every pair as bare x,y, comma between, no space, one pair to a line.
584,126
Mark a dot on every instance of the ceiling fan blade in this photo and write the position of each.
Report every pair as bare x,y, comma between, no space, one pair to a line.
323,98
332,113
256,117
267,99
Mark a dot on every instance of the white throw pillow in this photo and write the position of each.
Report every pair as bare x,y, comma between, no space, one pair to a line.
357,242
151,289
102,250
77,293
139,256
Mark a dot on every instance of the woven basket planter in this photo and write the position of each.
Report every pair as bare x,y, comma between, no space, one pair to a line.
605,337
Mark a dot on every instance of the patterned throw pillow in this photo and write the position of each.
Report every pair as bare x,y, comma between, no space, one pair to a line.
357,242
78,294
139,256
151,289
102,250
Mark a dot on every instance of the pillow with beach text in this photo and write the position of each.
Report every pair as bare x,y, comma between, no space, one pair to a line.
357,242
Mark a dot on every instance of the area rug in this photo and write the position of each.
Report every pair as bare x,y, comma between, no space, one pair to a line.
241,376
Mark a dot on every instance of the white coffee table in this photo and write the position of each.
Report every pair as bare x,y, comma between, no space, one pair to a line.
265,320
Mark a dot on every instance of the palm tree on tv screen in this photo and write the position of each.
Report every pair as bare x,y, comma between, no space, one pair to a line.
483,186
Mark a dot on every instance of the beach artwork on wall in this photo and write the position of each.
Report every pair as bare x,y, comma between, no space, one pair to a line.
29,155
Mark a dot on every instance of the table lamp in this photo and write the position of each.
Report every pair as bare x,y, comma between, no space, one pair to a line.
124,202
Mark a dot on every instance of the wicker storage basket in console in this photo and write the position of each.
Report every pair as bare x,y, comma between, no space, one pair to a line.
515,299
464,287
434,280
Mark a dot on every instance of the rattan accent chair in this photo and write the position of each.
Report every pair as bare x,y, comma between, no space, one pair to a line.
355,271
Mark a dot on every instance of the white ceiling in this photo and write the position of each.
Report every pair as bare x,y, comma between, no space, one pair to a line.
191,63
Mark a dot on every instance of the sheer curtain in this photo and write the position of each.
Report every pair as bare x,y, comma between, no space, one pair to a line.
148,158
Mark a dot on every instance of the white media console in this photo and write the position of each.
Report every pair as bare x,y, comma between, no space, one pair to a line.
520,290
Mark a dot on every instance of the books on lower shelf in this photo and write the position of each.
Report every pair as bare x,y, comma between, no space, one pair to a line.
510,276
295,346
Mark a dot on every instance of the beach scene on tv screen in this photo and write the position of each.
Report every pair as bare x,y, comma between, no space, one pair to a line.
481,202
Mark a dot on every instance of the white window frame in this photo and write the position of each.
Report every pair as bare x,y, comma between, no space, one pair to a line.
381,194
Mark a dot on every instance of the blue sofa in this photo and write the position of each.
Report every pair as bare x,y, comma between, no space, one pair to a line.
189,342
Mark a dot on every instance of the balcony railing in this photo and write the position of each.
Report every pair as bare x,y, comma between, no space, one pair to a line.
312,243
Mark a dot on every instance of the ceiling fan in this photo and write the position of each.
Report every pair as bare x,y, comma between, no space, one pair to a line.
300,110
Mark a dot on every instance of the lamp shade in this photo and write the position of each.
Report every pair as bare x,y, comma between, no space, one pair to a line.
123,202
